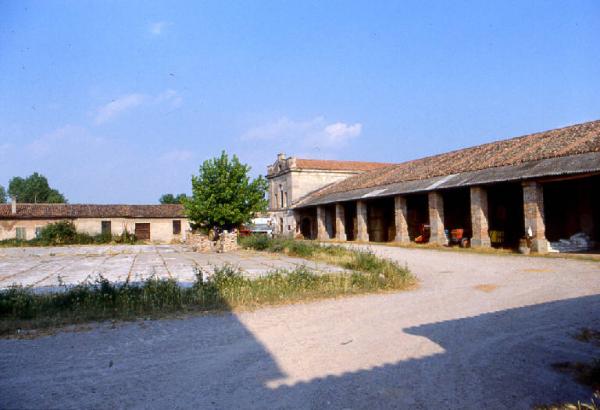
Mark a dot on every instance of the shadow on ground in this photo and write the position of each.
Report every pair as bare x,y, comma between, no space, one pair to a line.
215,362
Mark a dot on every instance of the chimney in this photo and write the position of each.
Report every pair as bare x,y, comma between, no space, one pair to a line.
281,157
14,205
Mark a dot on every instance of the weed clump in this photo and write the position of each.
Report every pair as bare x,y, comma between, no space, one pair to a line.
370,271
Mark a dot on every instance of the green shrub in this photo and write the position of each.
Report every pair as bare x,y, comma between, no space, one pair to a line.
126,238
256,242
58,233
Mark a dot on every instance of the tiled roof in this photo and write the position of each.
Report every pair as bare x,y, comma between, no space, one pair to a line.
69,211
575,139
333,165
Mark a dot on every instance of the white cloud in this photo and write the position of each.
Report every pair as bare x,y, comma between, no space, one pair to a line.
127,102
89,167
115,107
341,132
177,155
157,28
312,133
311,138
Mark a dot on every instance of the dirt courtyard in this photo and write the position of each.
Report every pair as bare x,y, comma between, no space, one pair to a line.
481,331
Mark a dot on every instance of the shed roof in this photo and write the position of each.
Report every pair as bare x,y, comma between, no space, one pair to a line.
506,159
335,165
71,211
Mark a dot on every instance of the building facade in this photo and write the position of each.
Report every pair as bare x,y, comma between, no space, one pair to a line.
293,179
153,223
541,188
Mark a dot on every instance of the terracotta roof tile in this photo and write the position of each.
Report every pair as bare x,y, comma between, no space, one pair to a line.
69,211
575,139
334,165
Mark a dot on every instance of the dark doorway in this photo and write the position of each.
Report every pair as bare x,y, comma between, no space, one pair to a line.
380,221
306,227
106,228
306,222
330,220
572,206
417,214
505,214
176,227
142,231
350,220
457,210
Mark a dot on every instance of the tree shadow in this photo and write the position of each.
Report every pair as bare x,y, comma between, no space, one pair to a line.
494,360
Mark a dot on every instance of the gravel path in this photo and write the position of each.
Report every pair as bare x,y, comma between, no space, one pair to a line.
480,332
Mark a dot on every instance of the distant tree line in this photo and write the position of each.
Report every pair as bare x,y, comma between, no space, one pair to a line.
172,199
32,189
224,196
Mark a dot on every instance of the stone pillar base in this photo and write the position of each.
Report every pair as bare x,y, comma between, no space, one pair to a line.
539,245
481,243
404,239
439,240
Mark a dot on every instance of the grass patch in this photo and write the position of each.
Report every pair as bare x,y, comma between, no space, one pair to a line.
580,405
23,308
376,272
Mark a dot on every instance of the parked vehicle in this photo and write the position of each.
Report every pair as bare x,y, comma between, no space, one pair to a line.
258,226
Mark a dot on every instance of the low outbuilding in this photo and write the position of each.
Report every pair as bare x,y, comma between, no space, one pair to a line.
155,223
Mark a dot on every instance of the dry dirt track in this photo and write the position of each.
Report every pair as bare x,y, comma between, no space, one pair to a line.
480,332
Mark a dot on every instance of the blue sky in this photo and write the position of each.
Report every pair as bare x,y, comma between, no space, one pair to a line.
120,101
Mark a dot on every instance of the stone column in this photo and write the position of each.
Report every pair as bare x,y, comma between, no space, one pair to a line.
362,233
321,224
533,210
479,218
400,220
436,218
340,223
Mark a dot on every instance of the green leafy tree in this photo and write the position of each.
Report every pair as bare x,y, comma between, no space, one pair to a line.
172,199
34,189
223,196
2,195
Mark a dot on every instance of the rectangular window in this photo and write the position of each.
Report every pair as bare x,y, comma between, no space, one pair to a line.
38,231
176,227
276,200
282,205
106,228
21,233
286,199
